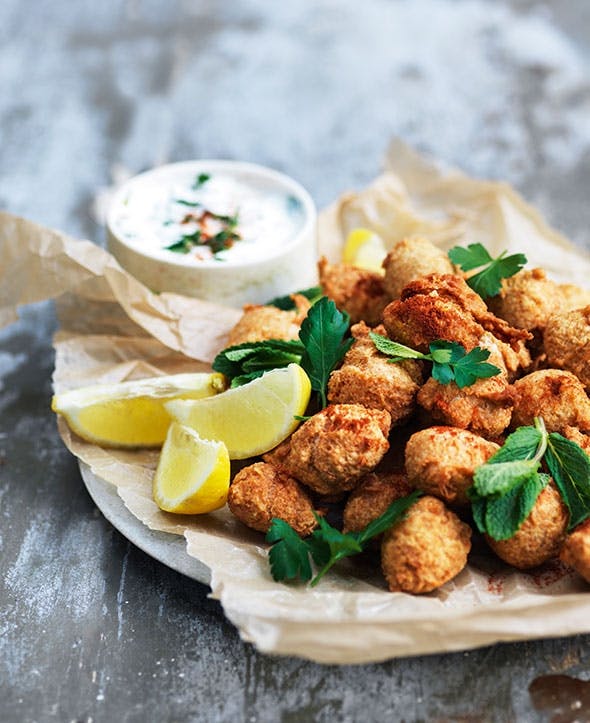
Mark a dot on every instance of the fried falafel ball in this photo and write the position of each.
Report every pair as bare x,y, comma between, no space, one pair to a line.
527,300
410,259
259,323
576,550
441,461
541,535
336,447
359,292
375,492
262,491
556,395
425,549
367,377
442,306
484,407
567,342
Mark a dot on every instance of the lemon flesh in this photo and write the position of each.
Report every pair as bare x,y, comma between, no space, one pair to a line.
193,474
131,414
365,249
253,418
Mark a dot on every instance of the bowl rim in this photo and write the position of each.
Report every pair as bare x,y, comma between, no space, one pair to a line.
281,180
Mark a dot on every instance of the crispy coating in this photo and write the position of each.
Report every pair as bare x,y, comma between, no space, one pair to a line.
410,259
366,377
441,461
336,447
376,491
444,307
557,396
484,407
262,491
426,549
359,292
540,536
259,323
581,439
576,550
567,342
527,300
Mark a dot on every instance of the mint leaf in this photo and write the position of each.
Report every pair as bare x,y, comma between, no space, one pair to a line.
488,281
323,334
504,515
500,477
521,444
289,554
569,466
258,356
286,303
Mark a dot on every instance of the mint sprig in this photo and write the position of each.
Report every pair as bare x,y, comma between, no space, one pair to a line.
507,486
290,557
450,361
488,281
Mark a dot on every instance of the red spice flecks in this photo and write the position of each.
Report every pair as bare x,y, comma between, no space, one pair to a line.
496,583
550,573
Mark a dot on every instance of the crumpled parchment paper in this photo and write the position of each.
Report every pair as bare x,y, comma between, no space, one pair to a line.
112,328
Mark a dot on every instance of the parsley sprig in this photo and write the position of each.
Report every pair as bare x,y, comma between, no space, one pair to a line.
488,280
450,361
286,303
291,557
321,345
507,486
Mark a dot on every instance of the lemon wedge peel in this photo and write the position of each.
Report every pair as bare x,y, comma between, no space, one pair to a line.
131,413
193,474
365,249
253,418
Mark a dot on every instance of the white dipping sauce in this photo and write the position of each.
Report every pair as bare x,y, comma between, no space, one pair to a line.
239,232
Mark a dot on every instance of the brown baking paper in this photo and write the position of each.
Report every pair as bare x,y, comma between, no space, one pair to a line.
113,328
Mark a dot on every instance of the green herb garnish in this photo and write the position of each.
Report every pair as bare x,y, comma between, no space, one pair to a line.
286,303
506,487
323,333
488,281
450,361
321,345
186,242
184,202
289,555
200,180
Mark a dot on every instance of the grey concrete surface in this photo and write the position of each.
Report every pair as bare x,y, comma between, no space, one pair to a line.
91,629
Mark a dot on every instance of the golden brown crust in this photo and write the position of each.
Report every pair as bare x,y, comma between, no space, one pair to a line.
259,323
426,549
574,297
262,491
527,300
444,307
576,550
557,396
540,536
441,461
357,291
567,343
375,492
366,377
331,451
410,259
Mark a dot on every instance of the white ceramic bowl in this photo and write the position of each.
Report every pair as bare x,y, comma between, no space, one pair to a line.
286,263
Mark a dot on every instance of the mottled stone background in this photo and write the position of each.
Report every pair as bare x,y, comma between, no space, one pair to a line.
91,629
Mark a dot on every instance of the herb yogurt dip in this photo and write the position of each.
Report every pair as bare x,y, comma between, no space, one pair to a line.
176,227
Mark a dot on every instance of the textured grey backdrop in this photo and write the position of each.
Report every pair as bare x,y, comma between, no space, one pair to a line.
90,628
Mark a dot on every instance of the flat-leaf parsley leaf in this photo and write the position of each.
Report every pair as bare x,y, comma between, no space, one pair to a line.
488,281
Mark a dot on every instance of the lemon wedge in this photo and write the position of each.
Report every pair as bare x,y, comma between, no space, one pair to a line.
131,414
365,249
193,474
253,418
